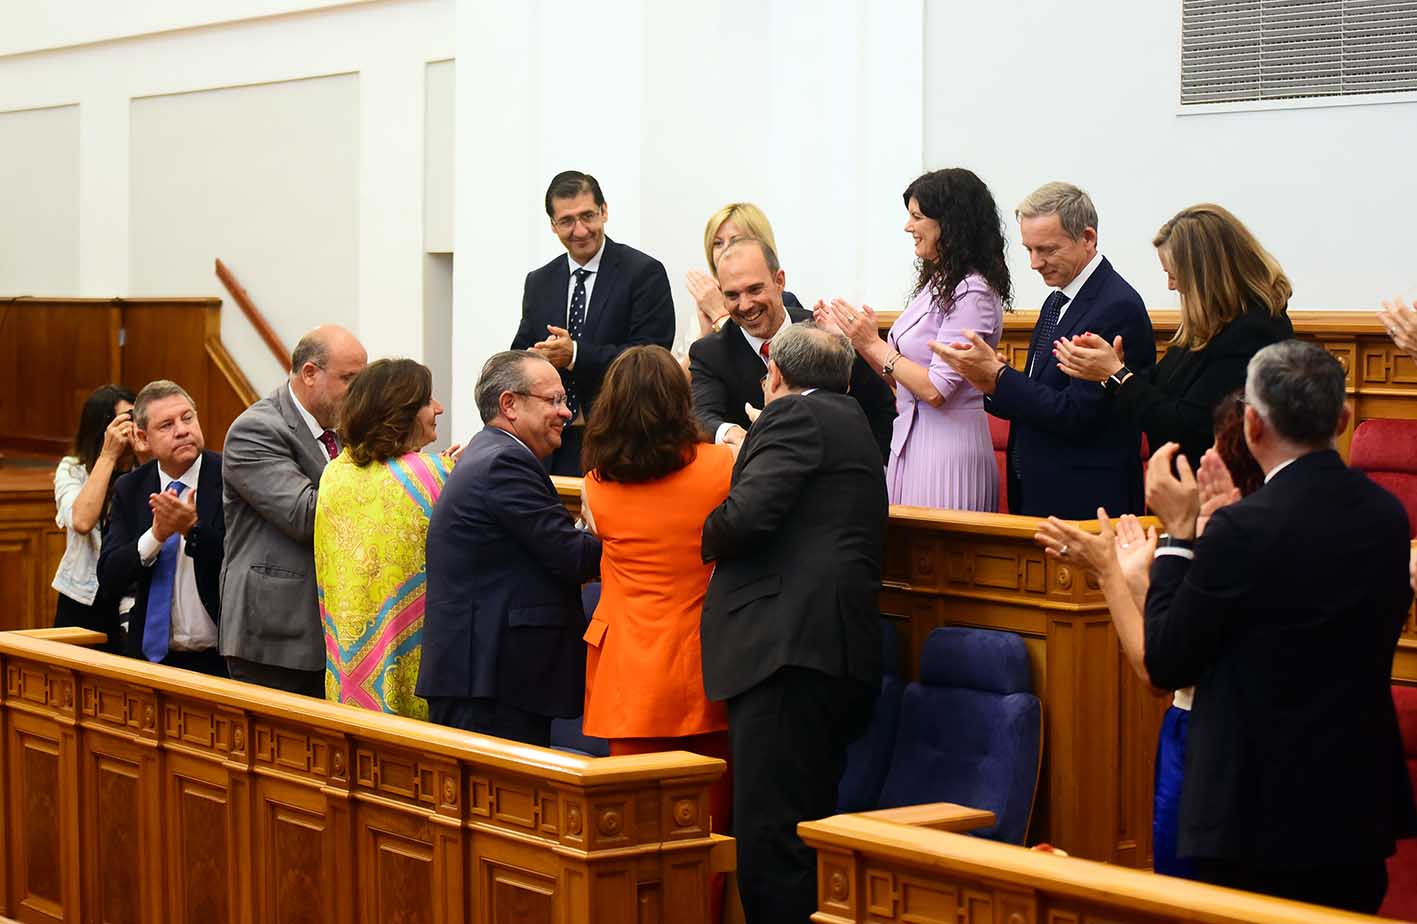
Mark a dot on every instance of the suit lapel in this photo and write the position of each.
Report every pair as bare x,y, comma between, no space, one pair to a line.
1076,317
314,452
208,497
151,484
606,278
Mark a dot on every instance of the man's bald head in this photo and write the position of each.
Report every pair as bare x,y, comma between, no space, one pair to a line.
325,361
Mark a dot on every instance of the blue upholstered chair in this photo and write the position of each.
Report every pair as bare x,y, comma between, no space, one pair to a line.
869,757
971,730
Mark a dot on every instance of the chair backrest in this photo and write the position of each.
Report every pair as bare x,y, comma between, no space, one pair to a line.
868,758
999,436
1386,451
971,730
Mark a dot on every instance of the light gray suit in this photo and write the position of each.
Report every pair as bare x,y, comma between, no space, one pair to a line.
269,604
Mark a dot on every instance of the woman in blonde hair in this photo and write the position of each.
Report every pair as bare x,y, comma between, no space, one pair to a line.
735,220
1234,299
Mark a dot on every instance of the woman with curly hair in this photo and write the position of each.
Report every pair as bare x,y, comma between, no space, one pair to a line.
941,453
371,523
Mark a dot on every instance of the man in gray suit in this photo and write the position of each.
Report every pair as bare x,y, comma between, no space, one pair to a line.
274,455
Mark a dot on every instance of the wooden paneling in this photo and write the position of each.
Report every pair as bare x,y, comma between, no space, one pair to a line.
134,792
885,872
30,547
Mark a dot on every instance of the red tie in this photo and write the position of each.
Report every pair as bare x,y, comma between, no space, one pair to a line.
328,439
766,350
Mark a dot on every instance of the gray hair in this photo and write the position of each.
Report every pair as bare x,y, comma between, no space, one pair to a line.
810,357
1074,208
1299,389
314,347
156,391
504,372
769,255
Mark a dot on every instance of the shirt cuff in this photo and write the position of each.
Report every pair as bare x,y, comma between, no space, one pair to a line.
722,429
575,347
148,547
1173,550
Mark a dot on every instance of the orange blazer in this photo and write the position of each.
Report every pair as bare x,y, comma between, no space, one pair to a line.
644,672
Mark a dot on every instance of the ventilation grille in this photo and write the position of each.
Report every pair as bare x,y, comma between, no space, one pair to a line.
1245,50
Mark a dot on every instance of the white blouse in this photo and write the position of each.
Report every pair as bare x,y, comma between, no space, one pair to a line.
77,577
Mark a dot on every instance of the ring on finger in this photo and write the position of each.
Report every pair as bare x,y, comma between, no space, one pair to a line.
1062,553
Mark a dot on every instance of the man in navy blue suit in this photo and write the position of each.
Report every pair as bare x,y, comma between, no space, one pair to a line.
583,309
1069,452
165,534
502,649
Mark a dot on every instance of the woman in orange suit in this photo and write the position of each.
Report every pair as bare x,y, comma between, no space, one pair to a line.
650,482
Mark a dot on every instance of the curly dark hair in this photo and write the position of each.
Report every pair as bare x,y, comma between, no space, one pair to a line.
381,407
1229,420
971,235
643,426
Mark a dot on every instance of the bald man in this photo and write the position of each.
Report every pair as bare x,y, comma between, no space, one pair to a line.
274,455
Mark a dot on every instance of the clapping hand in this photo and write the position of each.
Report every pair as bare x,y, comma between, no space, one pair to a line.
1088,357
1095,552
1136,547
173,514
858,325
1401,323
823,317
1175,498
1215,487
557,348
752,412
708,299
975,360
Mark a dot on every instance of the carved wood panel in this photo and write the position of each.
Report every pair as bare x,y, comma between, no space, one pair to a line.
518,896
398,866
20,561
292,830
117,792
35,827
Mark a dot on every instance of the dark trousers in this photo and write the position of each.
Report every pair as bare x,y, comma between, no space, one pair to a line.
99,616
1356,887
207,661
491,717
567,459
788,737
306,683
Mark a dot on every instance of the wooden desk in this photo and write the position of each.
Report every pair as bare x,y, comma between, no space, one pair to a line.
137,792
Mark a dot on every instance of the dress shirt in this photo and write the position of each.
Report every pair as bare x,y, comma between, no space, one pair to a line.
1072,289
1278,468
518,439
757,344
192,626
593,265
311,423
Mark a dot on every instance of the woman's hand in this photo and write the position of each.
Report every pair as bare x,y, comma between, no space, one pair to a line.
1401,323
1135,550
1088,357
586,516
1215,487
1095,552
859,325
822,316
708,299
118,437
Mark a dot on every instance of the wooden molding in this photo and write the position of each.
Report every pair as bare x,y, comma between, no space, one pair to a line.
253,315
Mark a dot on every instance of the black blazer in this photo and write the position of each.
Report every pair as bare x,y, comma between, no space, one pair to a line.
1286,624
1073,451
119,567
629,304
505,564
798,546
1174,401
725,374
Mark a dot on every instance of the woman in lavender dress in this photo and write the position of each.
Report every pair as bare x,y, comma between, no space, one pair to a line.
941,453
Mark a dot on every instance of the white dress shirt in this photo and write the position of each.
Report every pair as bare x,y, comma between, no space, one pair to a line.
593,264
1072,289
192,626
311,423
757,344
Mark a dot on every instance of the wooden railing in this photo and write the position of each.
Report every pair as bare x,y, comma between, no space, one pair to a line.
254,316
884,870
137,792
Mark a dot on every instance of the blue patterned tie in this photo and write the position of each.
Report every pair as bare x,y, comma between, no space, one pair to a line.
1045,333
575,321
158,625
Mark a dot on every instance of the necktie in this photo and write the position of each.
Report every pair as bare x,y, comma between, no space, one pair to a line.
158,625
575,320
327,439
766,350
1045,333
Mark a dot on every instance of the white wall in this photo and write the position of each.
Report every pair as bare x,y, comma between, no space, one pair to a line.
358,260
811,110
39,171
1033,90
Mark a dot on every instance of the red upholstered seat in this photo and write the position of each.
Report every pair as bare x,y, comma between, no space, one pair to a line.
999,433
1386,450
1401,901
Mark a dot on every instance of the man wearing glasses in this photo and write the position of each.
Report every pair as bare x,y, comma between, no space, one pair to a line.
502,651
581,310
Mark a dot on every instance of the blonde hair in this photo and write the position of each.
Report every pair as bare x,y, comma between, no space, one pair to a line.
1220,271
746,216
1074,208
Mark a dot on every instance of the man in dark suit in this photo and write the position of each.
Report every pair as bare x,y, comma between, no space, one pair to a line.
583,309
1284,609
1069,451
726,368
791,626
502,649
165,534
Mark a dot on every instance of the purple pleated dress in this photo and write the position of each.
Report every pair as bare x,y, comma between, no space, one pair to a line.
943,457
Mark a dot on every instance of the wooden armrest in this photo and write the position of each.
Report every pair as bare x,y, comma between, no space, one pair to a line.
939,816
69,635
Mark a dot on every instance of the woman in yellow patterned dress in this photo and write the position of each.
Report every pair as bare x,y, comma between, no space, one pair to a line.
371,520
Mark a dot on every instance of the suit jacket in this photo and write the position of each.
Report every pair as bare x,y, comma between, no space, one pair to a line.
273,468
1175,399
119,567
1286,623
630,304
798,546
505,566
1072,449
725,373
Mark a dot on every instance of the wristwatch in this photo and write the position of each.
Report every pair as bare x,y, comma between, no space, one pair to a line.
1168,541
1115,380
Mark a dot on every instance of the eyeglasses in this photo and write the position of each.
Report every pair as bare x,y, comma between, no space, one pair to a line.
556,401
589,219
